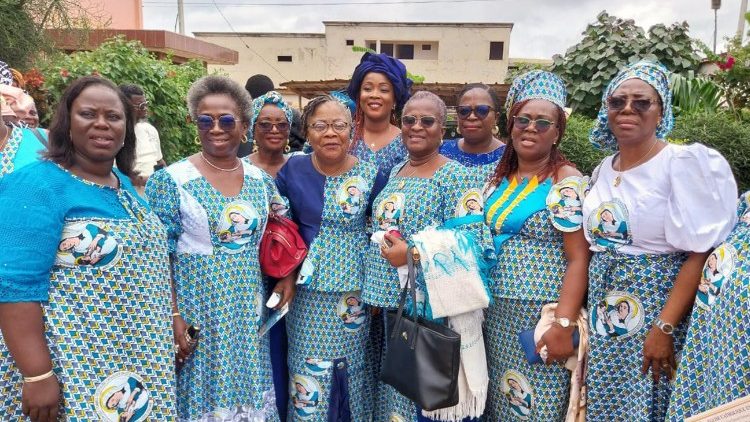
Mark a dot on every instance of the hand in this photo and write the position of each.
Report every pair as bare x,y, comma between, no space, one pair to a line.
287,289
40,400
396,253
559,342
183,350
658,353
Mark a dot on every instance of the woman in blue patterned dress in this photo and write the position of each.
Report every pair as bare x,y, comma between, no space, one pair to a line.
329,192
478,113
380,88
653,212
541,255
76,326
714,368
426,190
216,273
18,146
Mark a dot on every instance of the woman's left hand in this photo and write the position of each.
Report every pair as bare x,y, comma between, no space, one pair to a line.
396,253
286,288
658,354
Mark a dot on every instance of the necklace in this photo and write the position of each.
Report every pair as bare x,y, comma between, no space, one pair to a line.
533,171
337,172
618,179
415,167
239,163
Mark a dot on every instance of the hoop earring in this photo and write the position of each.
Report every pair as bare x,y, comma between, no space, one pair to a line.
287,148
495,130
244,139
197,140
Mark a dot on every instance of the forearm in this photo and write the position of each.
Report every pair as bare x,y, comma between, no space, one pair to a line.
175,308
22,326
682,296
576,279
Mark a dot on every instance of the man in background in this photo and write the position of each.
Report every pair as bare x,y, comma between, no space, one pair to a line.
148,156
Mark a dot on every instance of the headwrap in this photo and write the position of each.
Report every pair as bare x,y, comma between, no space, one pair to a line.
654,74
536,85
344,99
18,78
271,97
6,76
392,68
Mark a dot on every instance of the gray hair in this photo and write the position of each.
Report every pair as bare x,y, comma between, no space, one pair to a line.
315,103
218,85
436,101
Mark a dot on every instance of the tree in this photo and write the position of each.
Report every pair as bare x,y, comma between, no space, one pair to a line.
611,43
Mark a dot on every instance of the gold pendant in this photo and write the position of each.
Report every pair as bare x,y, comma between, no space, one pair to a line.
617,181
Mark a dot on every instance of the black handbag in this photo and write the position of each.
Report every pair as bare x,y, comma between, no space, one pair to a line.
422,357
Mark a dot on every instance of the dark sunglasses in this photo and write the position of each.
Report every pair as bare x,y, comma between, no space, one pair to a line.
481,111
424,121
268,126
227,122
639,105
541,125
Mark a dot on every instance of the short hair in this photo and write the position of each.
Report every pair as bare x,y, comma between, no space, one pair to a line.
61,150
131,90
486,88
219,85
315,103
258,85
437,101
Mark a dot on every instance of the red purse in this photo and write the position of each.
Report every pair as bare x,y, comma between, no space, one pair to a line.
282,249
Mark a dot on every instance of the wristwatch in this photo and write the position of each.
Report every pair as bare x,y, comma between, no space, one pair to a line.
565,322
665,327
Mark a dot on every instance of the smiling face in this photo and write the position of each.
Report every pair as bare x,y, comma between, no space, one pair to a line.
376,97
421,141
329,145
217,142
530,144
274,141
629,126
97,124
473,128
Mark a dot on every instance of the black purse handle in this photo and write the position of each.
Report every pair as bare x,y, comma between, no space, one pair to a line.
410,287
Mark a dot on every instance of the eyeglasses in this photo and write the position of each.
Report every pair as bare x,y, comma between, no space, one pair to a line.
541,125
227,122
481,111
639,105
424,121
142,106
268,126
339,126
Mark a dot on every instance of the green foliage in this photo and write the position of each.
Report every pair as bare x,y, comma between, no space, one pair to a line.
576,146
164,83
609,44
19,38
417,79
691,94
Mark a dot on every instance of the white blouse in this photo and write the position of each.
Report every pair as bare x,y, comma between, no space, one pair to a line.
682,199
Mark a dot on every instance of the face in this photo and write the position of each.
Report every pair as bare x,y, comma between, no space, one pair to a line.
514,384
32,117
629,126
353,191
712,261
475,129
300,389
568,192
274,140
329,145
529,143
351,301
472,204
389,206
140,106
98,123
69,243
421,141
216,141
114,399
607,216
237,218
623,309
376,97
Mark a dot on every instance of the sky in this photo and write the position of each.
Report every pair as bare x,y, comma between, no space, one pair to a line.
541,28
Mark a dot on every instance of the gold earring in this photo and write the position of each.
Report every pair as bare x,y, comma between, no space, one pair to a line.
287,148
244,139
255,146
197,140
495,130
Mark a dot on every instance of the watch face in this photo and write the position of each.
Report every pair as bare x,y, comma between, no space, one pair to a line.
564,322
668,328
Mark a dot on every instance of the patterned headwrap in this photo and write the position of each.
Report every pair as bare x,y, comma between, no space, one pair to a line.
6,76
536,85
654,74
392,68
344,99
270,97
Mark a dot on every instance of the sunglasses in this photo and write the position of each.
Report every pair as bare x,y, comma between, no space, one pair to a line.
541,125
424,121
339,126
640,105
267,127
481,111
227,122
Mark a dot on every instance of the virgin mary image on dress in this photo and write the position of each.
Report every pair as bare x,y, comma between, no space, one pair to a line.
123,398
87,243
609,226
239,221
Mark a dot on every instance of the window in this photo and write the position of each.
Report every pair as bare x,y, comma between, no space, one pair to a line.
426,47
372,46
496,50
386,48
349,42
405,51
284,58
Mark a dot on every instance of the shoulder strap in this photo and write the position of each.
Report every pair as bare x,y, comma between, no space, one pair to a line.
39,136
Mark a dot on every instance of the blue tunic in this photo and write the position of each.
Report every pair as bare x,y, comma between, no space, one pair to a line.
482,164
385,158
22,148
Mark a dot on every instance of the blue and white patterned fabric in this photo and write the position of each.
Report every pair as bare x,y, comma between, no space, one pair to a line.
6,76
654,74
714,368
22,148
385,158
97,263
482,165
214,243
271,97
528,225
536,85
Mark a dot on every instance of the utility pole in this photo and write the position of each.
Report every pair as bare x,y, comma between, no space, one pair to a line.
716,5
181,18
741,23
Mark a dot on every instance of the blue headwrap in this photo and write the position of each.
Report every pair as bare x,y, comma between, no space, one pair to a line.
654,74
536,85
271,97
344,99
393,69
6,76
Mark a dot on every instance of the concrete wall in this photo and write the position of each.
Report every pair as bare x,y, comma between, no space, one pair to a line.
115,14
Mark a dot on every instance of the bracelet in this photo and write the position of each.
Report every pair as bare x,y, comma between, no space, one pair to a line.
49,374
175,314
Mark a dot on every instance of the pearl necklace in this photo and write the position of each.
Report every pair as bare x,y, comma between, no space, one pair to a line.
239,163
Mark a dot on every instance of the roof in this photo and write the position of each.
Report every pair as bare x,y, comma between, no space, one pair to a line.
262,34
428,24
447,91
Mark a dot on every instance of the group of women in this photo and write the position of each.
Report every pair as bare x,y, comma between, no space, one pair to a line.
644,263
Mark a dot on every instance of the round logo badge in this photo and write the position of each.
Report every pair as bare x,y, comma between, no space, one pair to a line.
351,196
390,211
619,314
518,393
305,394
608,226
237,223
88,243
123,396
716,271
352,311
471,204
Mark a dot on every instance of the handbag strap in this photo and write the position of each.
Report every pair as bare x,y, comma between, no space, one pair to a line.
409,288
